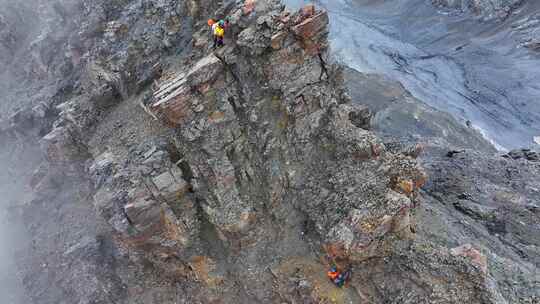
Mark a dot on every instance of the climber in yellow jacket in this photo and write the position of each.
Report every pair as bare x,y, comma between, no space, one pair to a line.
218,30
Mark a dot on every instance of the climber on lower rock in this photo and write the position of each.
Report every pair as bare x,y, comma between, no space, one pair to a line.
337,277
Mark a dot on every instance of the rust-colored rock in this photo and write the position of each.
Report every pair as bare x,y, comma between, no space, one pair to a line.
178,109
312,26
309,30
203,268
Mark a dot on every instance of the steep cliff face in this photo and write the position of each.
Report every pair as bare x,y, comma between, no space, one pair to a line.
233,175
270,164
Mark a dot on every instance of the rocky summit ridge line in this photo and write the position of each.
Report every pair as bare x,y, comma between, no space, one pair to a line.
239,175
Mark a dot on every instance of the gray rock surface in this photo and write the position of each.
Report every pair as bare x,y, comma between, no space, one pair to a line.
525,24
168,172
490,202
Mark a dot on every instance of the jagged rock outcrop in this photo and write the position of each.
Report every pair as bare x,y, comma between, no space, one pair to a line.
143,202
220,108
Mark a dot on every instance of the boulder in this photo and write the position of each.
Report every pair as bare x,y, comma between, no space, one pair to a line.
361,117
364,234
101,168
170,185
312,26
312,32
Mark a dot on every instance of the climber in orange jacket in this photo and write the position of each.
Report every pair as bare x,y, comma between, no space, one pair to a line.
333,273
337,277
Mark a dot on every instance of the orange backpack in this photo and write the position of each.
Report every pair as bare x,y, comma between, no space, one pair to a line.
211,22
333,274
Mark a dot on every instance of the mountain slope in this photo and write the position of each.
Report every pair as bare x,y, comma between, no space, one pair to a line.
170,172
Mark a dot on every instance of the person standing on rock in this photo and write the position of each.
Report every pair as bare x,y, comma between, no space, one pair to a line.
219,33
218,30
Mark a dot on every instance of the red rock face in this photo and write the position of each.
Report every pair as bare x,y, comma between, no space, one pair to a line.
309,31
311,26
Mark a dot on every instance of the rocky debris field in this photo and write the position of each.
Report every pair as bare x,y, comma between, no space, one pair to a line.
526,25
165,171
487,9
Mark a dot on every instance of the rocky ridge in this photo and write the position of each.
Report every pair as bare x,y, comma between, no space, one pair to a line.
240,174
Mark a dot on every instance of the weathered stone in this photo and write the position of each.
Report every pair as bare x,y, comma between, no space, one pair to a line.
477,258
101,168
312,26
173,228
64,150
309,29
173,99
488,9
170,185
251,40
361,117
143,213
